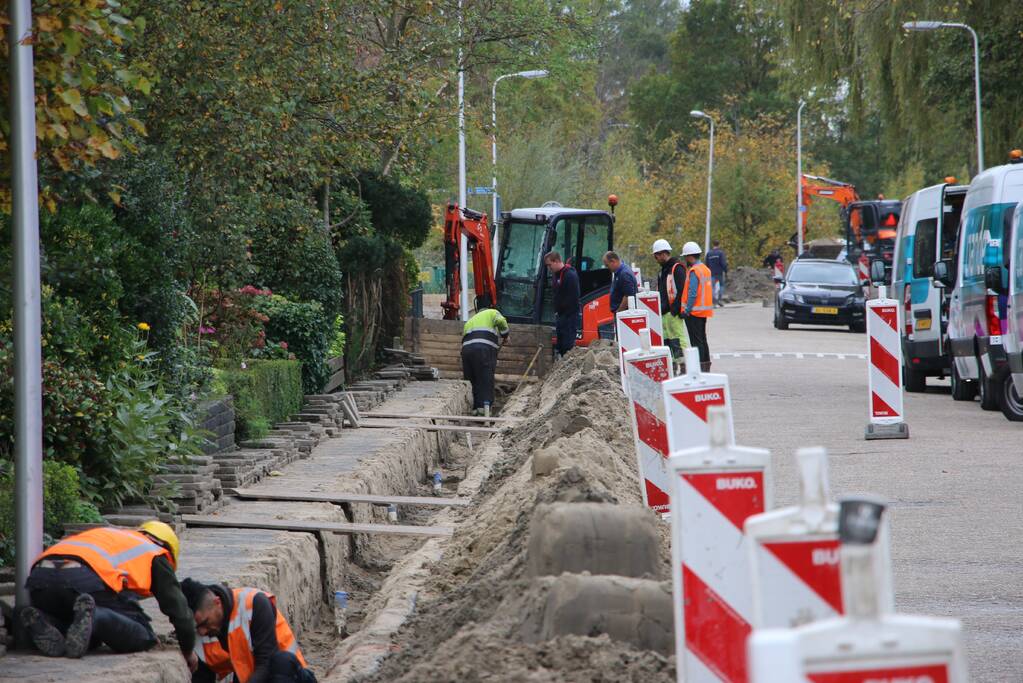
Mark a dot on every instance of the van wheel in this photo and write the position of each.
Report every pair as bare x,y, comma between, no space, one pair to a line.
914,380
961,390
988,390
1012,404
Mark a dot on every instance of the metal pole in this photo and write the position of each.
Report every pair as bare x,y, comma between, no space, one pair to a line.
28,429
494,218
463,251
710,184
976,83
799,179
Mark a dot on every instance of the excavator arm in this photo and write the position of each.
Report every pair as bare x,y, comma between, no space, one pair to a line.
460,221
826,188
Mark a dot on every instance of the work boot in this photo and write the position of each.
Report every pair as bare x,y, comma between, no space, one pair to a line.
44,635
705,367
80,632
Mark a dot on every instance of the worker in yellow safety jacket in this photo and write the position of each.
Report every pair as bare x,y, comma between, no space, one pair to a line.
243,633
482,336
85,591
697,301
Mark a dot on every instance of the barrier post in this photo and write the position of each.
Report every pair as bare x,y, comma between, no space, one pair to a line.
651,302
687,400
628,323
646,368
884,370
714,490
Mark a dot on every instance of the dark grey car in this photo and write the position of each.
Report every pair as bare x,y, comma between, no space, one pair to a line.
820,292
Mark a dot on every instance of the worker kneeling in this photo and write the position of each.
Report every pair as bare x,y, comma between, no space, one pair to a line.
482,336
85,591
242,632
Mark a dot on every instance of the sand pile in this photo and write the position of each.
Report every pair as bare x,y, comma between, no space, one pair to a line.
509,600
748,284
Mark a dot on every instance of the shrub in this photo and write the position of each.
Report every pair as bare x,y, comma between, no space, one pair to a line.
308,331
62,504
232,319
265,392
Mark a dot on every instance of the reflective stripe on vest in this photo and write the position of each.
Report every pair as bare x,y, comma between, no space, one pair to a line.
239,658
669,284
704,304
482,335
122,558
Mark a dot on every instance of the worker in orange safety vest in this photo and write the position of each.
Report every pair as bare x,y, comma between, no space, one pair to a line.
697,301
242,632
85,591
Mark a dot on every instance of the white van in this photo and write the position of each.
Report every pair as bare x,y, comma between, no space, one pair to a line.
928,231
977,311
1012,387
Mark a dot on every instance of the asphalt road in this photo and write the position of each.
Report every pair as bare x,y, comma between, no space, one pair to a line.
954,485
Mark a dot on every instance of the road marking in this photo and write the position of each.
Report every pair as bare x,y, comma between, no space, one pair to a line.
788,354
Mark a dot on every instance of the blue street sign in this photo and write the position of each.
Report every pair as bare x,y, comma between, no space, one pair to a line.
479,189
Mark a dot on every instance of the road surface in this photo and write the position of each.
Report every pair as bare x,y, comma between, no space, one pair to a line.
954,485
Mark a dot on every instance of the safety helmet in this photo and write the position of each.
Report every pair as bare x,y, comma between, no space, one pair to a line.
165,535
691,249
661,245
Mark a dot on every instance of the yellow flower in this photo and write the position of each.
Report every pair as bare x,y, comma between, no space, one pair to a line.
144,327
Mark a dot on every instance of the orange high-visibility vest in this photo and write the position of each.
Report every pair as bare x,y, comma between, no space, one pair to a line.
122,558
669,284
238,658
704,305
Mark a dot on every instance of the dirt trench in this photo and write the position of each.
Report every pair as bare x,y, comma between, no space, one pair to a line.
555,573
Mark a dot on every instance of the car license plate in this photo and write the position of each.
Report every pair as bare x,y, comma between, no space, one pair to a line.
922,324
826,310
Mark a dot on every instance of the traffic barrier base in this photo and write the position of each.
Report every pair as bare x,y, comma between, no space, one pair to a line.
714,490
884,370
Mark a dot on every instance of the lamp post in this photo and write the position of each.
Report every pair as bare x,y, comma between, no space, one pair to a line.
934,26
800,209
494,218
28,420
696,114
463,249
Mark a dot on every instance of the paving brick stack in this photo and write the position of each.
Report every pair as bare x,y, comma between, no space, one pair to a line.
196,487
218,420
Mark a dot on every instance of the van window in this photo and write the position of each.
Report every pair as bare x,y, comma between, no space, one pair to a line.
924,248
1007,213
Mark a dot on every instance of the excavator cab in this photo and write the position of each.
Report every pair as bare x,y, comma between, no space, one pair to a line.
524,286
874,222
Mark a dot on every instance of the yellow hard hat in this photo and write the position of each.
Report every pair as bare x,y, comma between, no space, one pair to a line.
163,533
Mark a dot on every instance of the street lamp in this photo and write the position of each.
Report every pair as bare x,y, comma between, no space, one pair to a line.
800,209
934,26
494,218
697,114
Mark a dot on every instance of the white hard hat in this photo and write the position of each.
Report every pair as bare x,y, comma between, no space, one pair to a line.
661,245
691,249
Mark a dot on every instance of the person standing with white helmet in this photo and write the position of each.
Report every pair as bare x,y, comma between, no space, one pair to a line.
670,283
697,301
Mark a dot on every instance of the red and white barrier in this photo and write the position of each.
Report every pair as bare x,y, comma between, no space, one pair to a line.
779,272
687,399
864,269
714,490
645,369
794,553
636,272
884,375
628,325
651,301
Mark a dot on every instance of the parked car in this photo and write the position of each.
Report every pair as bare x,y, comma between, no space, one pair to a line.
978,280
820,292
928,231
1012,387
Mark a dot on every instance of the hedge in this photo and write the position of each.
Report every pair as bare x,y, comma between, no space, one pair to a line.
265,392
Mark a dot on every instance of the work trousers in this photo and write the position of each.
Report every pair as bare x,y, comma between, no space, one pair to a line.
697,328
119,622
566,327
284,668
675,337
717,288
479,363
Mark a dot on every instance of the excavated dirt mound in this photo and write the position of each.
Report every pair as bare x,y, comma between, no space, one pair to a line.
485,616
748,284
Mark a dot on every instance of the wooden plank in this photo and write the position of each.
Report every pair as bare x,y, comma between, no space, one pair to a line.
336,363
338,498
329,527
458,418
499,377
390,424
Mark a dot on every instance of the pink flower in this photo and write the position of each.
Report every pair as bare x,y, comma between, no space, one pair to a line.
207,330
284,345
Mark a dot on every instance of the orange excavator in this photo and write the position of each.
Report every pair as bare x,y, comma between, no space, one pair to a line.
869,225
522,288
